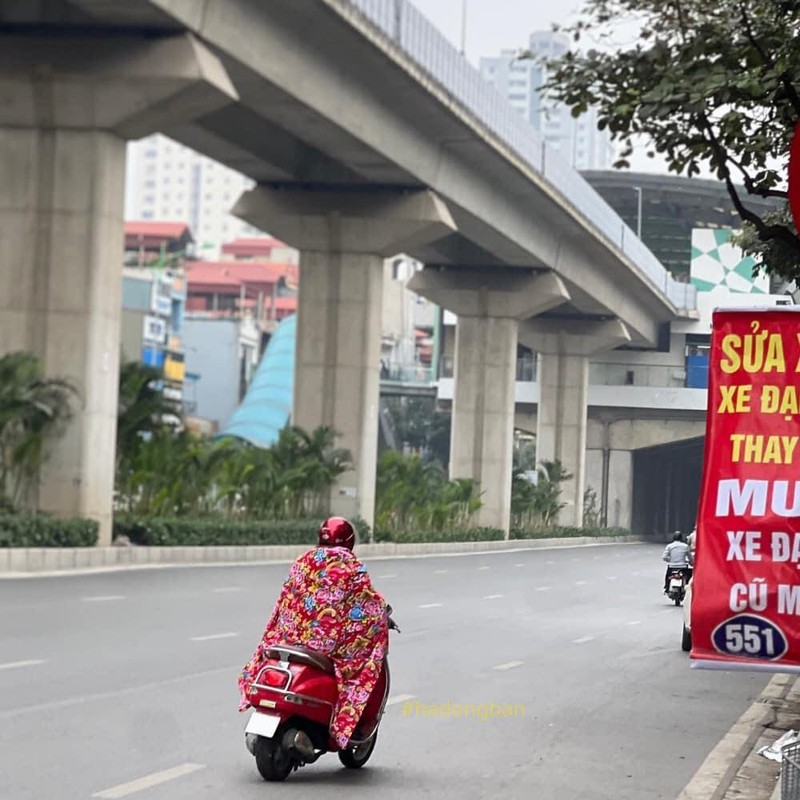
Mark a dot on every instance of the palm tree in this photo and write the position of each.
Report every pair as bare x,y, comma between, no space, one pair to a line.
33,410
142,409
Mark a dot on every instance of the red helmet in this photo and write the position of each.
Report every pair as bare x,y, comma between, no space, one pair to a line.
337,532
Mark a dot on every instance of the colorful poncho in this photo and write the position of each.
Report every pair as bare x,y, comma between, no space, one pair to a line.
328,604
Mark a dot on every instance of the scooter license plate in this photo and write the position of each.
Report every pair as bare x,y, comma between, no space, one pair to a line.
263,724
676,583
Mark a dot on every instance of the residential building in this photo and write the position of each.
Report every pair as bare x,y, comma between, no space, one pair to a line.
153,302
233,288
168,181
519,80
222,353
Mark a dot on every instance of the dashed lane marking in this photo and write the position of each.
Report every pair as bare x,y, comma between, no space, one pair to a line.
509,665
35,662
148,781
210,637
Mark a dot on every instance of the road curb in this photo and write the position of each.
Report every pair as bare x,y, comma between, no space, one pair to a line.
48,562
718,771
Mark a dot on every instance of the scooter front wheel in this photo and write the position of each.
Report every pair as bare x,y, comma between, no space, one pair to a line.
274,763
356,757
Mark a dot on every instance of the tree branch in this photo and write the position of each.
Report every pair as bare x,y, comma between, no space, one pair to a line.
791,92
765,232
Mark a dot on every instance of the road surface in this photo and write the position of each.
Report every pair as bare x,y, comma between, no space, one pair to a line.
123,685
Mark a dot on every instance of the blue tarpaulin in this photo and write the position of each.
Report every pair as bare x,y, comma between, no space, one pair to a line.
267,405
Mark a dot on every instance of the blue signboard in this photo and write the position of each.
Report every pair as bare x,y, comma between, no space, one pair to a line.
697,371
153,357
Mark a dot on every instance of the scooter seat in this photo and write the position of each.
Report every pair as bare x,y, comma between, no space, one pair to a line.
302,655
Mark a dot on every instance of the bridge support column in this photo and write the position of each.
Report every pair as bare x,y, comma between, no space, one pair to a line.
488,305
343,238
563,351
68,106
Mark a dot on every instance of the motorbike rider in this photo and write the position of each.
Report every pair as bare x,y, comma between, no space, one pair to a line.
328,604
692,542
678,556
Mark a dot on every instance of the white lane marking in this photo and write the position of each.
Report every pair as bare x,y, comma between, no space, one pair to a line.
519,565
157,778
492,597
222,589
399,698
543,589
484,567
580,583
612,577
635,622
103,598
549,562
19,664
388,575
583,640
597,558
430,605
228,635
510,665
439,571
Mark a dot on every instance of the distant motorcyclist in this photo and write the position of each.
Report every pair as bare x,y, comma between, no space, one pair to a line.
678,556
692,542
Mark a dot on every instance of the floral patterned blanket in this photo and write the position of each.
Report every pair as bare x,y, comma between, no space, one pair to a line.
328,604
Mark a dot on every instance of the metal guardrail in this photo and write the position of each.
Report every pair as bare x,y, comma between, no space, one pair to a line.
421,41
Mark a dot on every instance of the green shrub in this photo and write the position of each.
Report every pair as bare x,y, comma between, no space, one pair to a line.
467,535
566,532
221,531
40,530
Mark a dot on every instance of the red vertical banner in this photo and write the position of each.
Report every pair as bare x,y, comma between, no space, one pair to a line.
794,176
745,609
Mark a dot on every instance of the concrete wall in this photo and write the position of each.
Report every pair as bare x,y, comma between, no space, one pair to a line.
212,352
131,335
649,368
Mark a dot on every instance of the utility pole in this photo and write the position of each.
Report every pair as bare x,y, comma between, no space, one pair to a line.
464,26
638,190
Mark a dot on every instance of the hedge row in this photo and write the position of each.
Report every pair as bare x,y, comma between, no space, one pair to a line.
213,531
40,530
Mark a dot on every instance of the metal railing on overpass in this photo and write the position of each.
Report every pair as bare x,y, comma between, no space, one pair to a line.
430,50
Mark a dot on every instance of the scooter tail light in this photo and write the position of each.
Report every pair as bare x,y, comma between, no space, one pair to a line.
275,678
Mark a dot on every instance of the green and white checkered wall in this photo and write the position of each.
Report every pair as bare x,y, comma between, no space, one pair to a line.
718,265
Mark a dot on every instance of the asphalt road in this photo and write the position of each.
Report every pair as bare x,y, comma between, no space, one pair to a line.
123,685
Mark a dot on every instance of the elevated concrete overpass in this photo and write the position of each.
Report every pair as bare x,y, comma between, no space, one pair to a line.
368,135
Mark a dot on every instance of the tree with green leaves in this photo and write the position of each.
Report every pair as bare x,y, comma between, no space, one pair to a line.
142,409
707,84
33,411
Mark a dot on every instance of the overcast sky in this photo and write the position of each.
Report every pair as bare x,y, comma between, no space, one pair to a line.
495,25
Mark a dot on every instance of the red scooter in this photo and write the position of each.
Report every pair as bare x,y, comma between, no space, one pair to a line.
295,695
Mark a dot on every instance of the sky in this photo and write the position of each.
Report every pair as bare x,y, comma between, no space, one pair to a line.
495,25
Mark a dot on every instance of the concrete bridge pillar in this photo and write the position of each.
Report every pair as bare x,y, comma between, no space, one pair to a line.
488,305
343,238
563,349
68,106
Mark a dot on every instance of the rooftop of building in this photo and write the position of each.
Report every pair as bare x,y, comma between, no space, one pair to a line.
233,274
252,246
672,206
157,230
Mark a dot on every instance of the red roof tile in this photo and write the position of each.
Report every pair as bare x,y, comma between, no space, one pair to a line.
164,230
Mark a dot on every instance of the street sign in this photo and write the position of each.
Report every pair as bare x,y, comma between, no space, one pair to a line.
745,606
154,330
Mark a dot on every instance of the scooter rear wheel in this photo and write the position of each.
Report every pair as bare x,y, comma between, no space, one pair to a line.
356,757
273,762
